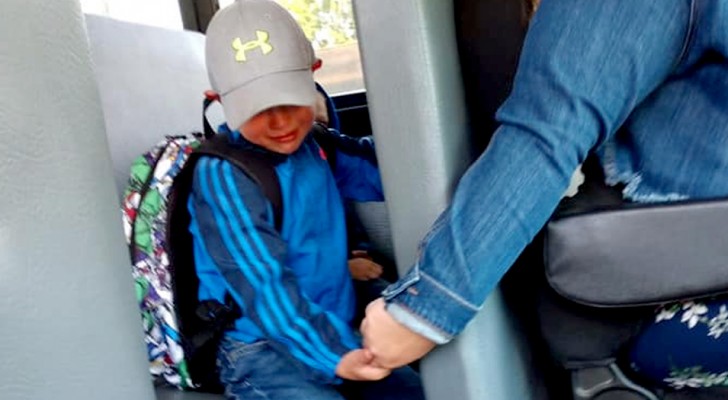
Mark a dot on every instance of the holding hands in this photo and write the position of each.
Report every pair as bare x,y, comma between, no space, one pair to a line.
392,344
387,345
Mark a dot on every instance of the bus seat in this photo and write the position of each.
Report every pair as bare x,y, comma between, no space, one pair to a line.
418,112
375,220
168,393
151,82
489,36
70,325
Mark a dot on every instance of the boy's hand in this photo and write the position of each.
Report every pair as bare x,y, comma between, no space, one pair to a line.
364,269
356,365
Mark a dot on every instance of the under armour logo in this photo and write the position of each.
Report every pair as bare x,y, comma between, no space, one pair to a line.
261,42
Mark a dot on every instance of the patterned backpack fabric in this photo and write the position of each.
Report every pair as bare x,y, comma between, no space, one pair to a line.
181,333
145,211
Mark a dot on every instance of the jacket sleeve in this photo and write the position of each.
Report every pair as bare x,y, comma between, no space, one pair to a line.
584,68
241,241
356,170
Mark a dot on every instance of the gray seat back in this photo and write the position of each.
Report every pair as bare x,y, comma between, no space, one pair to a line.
151,82
417,107
70,326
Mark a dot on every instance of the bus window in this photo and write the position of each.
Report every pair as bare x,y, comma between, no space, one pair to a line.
162,13
329,24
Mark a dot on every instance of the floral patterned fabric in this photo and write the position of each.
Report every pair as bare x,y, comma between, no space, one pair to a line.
686,346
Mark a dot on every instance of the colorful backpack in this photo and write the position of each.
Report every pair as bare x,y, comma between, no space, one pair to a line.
145,214
181,333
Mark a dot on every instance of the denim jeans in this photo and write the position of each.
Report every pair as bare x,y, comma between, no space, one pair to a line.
641,82
258,372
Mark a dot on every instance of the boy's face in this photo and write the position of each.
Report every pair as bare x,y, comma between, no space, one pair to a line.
281,129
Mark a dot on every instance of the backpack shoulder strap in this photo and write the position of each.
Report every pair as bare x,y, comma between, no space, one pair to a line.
258,166
327,142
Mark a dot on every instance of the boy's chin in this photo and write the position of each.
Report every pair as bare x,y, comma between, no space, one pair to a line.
286,148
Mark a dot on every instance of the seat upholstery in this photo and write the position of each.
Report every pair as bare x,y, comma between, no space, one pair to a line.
70,327
151,82
165,393
417,107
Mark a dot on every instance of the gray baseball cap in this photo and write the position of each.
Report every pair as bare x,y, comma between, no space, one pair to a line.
257,58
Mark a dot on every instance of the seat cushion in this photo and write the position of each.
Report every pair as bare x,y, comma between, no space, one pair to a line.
167,393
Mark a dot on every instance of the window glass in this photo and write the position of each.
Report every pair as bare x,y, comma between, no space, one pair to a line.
162,13
329,24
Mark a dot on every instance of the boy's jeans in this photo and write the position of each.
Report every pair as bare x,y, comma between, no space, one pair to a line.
258,372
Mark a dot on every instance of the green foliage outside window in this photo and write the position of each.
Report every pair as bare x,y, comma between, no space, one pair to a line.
327,23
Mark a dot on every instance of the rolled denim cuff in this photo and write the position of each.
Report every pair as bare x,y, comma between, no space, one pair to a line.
427,307
417,325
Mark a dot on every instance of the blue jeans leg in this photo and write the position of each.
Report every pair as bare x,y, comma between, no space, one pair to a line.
258,372
403,384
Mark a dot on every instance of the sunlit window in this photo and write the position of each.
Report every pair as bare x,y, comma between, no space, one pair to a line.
329,24
162,13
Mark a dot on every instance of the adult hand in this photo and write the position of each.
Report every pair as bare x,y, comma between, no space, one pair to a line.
392,344
364,269
357,365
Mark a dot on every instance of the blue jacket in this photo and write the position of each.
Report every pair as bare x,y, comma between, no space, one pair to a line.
293,285
643,81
